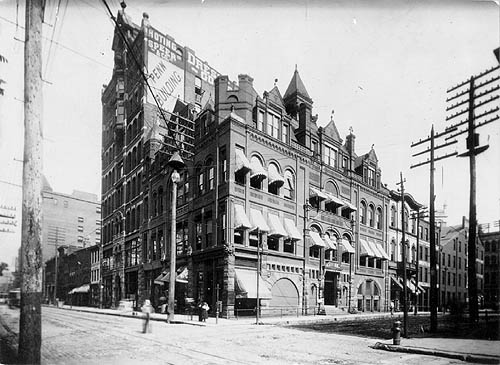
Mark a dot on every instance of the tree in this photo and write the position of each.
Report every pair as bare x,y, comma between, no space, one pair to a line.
3,266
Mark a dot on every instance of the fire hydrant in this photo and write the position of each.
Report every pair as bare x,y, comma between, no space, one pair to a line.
396,333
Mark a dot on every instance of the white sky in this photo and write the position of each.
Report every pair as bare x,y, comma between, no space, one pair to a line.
384,69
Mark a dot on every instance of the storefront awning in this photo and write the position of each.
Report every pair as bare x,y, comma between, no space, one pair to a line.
258,171
85,288
242,163
316,239
347,205
366,249
330,244
333,199
397,282
164,277
246,285
276,228
258,221
292,230
380,248
313,192
375,249
240,218
275,177
347,245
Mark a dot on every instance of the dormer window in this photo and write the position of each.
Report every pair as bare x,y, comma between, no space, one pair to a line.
330,156
260,120
371,177
273,123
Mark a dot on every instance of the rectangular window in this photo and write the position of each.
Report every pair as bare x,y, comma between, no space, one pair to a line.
80,219
80,228
201,183
330,156
199,232
273,125
211,178
260,120
288,246
371,177
426,254
284,133
209,236
223,165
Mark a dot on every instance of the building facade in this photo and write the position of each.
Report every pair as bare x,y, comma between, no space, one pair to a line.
71,220
491,242
269,206
454,261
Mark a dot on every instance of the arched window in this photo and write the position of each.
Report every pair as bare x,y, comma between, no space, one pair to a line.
200,175
275,181
393,216
371,215
362,213
379,218
289,186
393,250
258,173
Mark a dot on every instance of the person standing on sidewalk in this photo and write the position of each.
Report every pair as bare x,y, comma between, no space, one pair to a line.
391,306
147,309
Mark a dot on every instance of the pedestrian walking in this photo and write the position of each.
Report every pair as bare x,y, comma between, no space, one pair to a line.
205,308
391,306
147,309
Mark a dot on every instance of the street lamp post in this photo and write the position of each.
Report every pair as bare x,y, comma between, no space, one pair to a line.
176,163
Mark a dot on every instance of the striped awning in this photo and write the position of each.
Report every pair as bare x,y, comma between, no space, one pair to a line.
380,248
316,239
333,199
258,171
275,177
242,163
276,228
347,245
366,248
292,230
330,244
258,221
246,285
347,205
240,218
313,192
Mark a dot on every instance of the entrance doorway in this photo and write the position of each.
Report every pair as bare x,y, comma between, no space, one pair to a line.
331,291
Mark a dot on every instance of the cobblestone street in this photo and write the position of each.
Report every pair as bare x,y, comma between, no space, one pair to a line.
86,338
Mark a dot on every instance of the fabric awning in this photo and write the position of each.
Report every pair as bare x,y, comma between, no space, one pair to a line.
258,221
333,199
242,163
85,288
275,177
317,193
292,230
411,286
380,248
246,285
316,239
258,171
330,244
374,248
366,249
347,245
276,228
182,276
396,281
348,205
240,217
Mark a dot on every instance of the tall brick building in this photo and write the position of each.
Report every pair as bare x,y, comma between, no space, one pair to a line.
491,242
265,190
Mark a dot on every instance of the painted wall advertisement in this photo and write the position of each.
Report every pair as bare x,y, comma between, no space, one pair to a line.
166,81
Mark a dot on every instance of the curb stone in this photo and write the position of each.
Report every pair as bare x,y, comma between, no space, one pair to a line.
475,358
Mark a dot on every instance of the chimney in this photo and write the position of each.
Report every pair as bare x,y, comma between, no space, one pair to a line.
350,143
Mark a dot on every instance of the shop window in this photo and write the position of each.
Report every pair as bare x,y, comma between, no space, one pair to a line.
288,245
273,243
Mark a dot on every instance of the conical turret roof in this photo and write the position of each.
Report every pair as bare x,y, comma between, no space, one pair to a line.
296,86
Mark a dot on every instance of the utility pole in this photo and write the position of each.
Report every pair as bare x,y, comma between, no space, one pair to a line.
432,223
403,245
465,94
257,312
30,326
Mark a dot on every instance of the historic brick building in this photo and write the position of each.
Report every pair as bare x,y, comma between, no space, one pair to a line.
265,190
491,241
454,261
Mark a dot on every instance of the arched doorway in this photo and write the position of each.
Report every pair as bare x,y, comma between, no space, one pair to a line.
284,294
368,296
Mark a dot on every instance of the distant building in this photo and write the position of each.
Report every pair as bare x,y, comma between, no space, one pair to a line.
454,263
69,220
491,242
73,276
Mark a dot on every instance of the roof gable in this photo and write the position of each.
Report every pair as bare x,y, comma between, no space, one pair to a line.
275,97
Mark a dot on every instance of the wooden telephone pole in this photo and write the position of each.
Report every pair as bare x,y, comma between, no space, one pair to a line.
30,326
